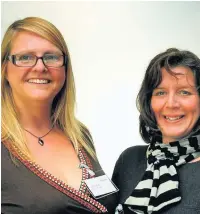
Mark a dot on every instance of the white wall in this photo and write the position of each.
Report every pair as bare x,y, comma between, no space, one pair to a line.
111,44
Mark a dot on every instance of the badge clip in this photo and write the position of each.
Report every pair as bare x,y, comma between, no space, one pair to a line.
82,165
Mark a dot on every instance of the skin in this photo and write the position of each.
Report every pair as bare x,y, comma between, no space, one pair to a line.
33,102
176,104
18,77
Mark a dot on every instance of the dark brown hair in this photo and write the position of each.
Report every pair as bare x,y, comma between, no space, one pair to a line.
169,59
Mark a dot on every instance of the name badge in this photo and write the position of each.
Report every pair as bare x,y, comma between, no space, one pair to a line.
101,186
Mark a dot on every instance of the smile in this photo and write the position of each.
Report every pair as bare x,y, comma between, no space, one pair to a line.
39,81
173,118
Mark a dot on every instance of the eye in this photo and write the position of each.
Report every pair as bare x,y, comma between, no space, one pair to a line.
159,93
25,57
184,92
51,57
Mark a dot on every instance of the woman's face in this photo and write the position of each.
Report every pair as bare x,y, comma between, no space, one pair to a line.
37,83
176,104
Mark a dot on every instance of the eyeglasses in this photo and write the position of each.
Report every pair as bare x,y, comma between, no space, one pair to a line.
30,60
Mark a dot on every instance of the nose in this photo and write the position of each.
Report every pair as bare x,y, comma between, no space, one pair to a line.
39,66
172,101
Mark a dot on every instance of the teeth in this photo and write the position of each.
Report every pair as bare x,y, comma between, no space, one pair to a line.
38,81
173,118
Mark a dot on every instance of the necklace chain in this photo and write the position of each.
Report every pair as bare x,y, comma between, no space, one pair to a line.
40,141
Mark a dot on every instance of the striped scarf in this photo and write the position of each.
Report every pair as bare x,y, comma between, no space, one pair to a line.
159,187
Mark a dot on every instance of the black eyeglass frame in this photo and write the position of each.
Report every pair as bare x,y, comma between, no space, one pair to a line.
12,58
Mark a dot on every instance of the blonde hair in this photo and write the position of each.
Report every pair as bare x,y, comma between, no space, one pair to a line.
64,103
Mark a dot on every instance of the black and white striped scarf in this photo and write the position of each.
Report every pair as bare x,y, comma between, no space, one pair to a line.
159,187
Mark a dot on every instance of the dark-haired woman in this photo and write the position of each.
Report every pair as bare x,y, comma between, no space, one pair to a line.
163,177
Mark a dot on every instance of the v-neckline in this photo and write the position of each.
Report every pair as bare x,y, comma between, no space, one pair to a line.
82,195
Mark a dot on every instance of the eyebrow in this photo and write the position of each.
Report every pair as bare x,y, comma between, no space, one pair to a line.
53,52
180,87
34,52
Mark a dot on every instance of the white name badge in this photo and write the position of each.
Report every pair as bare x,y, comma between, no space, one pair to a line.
101,186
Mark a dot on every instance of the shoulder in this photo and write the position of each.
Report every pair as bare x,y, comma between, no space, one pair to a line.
87,137
5,154
134,153
8,162
131,159
128,169
135,149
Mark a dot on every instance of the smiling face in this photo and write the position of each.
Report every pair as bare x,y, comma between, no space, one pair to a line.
37,83
176,104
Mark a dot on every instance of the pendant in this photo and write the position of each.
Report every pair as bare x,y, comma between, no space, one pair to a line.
40,141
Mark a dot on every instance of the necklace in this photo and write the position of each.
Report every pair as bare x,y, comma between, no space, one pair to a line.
40,141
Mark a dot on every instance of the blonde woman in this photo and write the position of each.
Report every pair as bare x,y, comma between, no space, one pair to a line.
47,154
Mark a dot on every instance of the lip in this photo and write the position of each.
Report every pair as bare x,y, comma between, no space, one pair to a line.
173,118
38,79
177,115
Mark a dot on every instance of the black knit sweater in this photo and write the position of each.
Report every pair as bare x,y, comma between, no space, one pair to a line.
130,168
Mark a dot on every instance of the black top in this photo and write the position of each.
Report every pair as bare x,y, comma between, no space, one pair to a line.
27,189
130,168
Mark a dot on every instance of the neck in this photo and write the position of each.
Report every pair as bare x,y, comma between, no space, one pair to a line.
35,116
195,160
166,140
